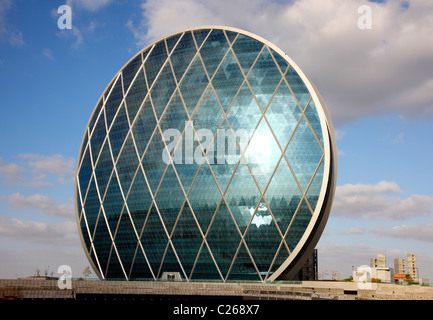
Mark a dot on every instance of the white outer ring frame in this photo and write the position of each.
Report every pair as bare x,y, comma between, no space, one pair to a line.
317,223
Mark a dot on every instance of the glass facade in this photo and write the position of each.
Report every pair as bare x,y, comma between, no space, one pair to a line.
205,157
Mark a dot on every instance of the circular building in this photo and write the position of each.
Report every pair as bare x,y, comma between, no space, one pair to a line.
210,155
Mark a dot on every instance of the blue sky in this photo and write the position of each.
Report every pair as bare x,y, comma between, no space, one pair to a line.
377,83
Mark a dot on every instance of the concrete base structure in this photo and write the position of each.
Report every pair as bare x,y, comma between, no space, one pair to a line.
24,289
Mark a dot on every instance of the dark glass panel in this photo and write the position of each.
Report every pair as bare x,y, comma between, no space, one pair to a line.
113,203
85,172
154,240
298,226
92,207
169,198
223,239
140,268
200,36
104,167
114,268
246,49
171,42
98,136
154,61
127,164
118,131
139,200
144,126
243,267
162,90
170,263
187,239
183,55
130,70
113,101
205,267
136,95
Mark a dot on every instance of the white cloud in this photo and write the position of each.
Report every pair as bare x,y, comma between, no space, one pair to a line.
37,232
359,72
7,33
41,203
379,202
421,232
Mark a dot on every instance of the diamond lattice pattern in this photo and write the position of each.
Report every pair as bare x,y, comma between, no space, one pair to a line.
203,158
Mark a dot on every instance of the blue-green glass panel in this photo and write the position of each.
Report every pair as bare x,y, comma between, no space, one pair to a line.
170,263
223,238
313,191
102,243
130,70
187,239
139,200
113,101
205,267
95,114
153,163
169,198
299,225
92,206
104,167
126,241
264,78
263,238
155,61
283,114
200,36
143,127
183,55
193,84
140,269
314,120
227,80
118,131
171,42
204,197
298,87
136,95
262,154
85,233
84,145
98,136
213,50
246,50
303,153
281,256
243,267
283,195
114,268
113,203
227,154
162,90
282,63
231,36
154,240
127,164
242,196
174,116
244,115
208,114
85,172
